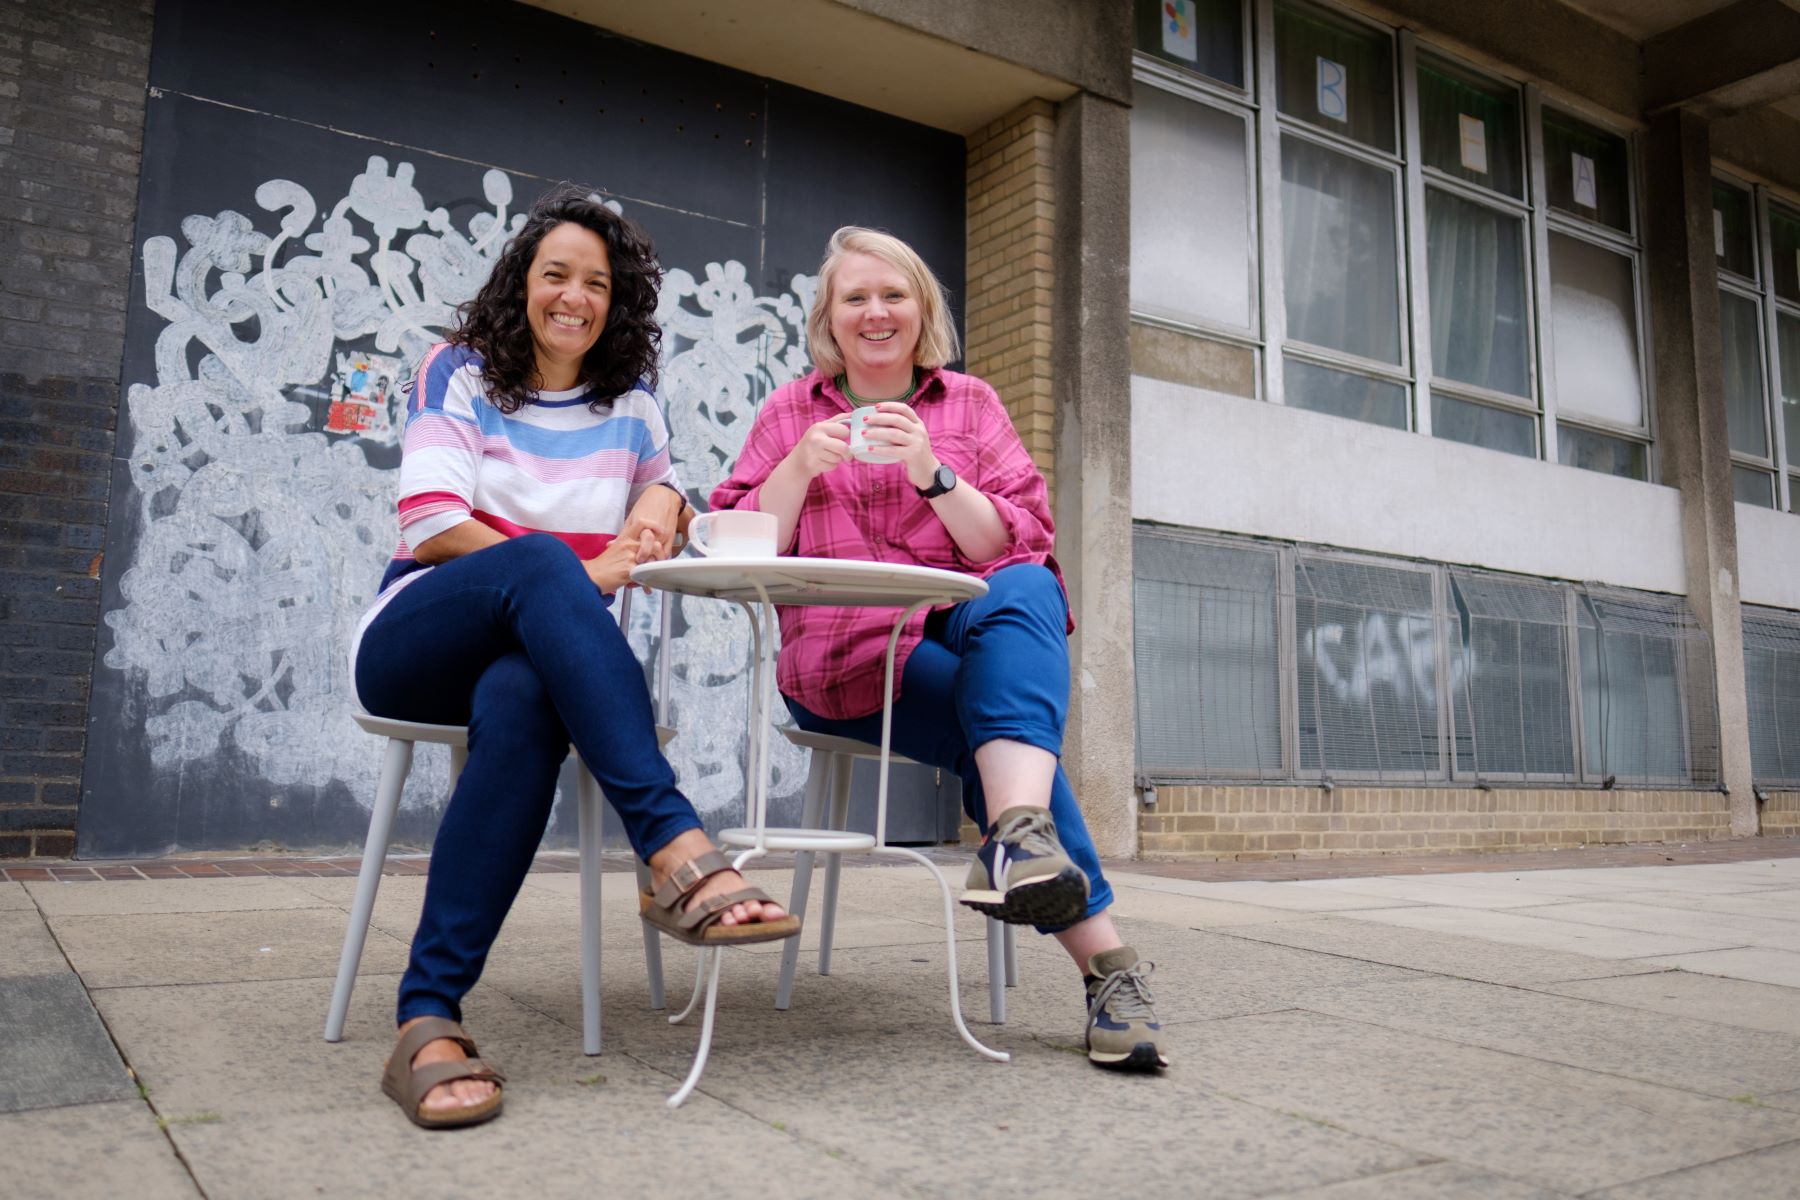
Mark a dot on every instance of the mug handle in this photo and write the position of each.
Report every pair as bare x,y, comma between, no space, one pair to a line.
696,533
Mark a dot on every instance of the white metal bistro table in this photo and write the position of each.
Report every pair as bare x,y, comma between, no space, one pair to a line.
758,585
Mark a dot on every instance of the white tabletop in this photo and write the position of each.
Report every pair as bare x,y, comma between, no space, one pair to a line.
840,582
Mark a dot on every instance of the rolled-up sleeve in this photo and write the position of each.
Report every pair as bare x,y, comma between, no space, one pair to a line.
1008,477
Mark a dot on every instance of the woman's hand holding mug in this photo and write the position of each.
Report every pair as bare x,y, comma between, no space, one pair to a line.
823,447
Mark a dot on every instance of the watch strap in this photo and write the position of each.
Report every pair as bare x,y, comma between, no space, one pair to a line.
942,480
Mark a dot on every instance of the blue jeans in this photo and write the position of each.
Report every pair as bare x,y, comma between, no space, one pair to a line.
996,667
516,642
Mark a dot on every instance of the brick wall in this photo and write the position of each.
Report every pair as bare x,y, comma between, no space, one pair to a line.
1007,312
72,84
1781,815
1306,822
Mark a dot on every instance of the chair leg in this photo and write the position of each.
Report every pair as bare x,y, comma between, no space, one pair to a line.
587,838
653,965
395,764
842,768
811,812
996,955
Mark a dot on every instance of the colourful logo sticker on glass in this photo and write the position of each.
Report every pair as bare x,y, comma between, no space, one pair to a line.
1178,38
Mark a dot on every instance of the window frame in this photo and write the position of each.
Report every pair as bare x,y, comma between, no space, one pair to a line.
1772,308
1200,89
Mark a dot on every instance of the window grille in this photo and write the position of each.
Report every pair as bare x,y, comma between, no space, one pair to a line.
1648,715
1772,687
1510,679
1367,643
1207,655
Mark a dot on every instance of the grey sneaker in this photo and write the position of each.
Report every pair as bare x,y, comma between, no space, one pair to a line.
1022,876
1122,1030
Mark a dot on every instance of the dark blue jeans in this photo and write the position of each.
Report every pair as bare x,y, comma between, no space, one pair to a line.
996,667
517,643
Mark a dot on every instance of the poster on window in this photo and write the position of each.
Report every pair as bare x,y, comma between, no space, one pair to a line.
1473,135
1334,90
1178,38
1586,192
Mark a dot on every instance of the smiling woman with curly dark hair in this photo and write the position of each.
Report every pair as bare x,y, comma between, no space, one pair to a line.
495,326
535,476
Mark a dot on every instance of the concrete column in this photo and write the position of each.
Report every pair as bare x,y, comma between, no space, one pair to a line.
1692,441
1092,389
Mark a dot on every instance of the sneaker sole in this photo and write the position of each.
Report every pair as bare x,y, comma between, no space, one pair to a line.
1143,1057
1059,899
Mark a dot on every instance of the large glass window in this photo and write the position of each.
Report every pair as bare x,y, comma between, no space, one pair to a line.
1339,250
1593,307
1188,183
1476,263
1515,714
1201,35
1787,336
1634,660
1335,74
1344,394
1733,245
1469,127
1587,170
1740,342
1455,256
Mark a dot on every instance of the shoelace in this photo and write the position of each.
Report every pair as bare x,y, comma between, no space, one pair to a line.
1129,991
1032,833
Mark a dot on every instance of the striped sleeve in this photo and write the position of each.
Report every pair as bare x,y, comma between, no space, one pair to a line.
441,455
655,465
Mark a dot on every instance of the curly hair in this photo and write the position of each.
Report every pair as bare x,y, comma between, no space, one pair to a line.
495,326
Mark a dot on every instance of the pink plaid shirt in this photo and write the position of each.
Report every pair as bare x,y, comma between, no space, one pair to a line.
831,658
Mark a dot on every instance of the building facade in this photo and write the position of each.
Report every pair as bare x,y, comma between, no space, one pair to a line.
1413,381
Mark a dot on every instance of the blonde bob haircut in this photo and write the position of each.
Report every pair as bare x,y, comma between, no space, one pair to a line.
937,335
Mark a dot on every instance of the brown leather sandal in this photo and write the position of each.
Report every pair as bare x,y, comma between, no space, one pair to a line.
407,1085
699,925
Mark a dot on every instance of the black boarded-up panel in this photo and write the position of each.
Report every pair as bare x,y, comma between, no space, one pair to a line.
319,187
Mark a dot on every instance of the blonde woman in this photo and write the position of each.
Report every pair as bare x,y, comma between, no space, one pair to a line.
982,687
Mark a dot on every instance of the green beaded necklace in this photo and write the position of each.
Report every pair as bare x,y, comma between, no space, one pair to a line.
843,385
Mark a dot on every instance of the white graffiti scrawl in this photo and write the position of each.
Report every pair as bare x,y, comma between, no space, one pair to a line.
263,459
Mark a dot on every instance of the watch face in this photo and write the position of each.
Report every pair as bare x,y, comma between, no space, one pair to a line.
945,479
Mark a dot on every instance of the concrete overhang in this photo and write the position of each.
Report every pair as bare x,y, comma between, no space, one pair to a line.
827,47
1725,61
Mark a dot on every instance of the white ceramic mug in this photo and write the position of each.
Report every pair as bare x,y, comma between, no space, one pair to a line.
733,533
860,447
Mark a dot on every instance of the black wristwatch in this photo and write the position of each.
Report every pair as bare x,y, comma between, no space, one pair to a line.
942,480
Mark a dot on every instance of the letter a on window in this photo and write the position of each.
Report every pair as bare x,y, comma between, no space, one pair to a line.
1586,194
1334,90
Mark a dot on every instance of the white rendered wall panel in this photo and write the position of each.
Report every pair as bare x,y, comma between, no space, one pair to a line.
1210,461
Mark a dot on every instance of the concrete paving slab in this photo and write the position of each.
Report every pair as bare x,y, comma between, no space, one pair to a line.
13,897
1542,1123
1679,1052
1779,904
220,947
1735,928
1726,1001
966,1123
1272,895
1753,963
1514,929
341,889
1193,912
92,1150
1540,883
612,1138
1699,879
1770,1172
1423,889
1440,952
1430,1182
1788,1101
142,896
26,946
55,1051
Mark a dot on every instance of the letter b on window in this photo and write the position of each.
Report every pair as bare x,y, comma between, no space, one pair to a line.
1334,91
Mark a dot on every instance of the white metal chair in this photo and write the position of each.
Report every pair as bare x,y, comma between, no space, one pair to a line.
397,763
828,781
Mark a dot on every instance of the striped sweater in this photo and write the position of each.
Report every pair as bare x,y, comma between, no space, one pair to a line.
554,466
